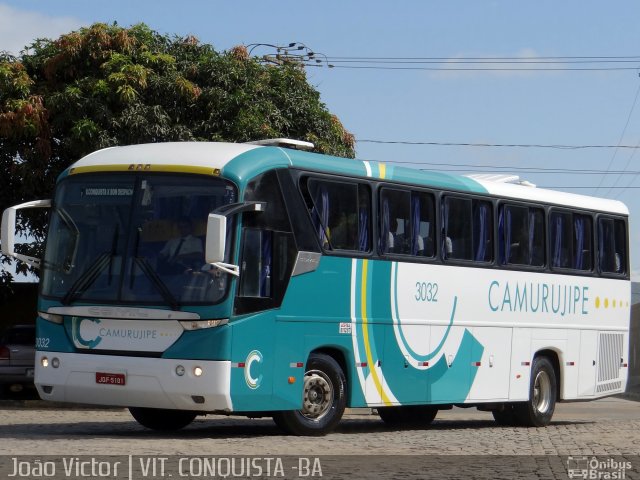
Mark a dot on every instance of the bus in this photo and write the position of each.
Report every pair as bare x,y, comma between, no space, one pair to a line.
262,279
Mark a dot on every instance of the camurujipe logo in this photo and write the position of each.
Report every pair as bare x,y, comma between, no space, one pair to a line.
594,468
88,333
254,357
78,339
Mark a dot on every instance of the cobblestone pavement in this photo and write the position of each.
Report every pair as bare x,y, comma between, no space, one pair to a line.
605,427
461,443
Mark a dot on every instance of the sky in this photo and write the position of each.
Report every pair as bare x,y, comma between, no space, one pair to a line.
513,106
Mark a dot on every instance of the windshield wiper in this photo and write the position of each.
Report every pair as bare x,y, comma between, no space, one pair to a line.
91,274
148,270
86,279
157,282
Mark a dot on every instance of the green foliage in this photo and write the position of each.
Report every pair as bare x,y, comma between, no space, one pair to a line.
105,85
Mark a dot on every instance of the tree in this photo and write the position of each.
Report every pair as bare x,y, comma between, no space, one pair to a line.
107,85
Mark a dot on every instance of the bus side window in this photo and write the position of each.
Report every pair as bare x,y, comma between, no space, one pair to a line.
341,214
482,231
560,239
612,246
570,241
423,220
395,230
521,231
457,228
407,221
468,229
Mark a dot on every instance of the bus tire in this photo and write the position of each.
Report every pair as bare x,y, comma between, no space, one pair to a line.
538,410
505,416
323,399
162,419
408,415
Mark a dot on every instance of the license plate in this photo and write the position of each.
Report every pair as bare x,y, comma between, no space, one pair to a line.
29,372
111,378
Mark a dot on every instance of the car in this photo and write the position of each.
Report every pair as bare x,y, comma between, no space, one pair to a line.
17,357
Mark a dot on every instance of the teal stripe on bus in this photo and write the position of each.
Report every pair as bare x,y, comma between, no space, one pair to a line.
254,162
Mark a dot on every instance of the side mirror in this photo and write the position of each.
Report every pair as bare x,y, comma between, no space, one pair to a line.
217,234
216,238
8,232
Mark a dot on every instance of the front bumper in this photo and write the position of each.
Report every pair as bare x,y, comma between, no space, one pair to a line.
149,382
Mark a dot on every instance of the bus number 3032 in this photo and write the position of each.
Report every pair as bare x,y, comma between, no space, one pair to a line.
426,292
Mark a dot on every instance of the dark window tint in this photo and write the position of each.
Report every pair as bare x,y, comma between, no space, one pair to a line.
268,248
521,231
256,265
266,188
468,229
570,241
341,214
407,223
612,245
135,239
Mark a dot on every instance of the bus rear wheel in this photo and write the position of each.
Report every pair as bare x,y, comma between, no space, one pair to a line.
543,391
162,419
408,415
323,399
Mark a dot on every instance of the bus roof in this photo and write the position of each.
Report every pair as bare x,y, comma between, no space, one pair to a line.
240,162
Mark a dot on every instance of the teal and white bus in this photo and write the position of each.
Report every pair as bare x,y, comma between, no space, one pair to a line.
182,279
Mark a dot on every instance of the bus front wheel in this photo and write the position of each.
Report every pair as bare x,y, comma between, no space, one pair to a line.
162,419
323,399
538,410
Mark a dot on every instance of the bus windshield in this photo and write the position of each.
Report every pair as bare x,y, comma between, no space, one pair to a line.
134,239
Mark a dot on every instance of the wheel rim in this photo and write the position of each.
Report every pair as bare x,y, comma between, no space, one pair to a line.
542,392
317,397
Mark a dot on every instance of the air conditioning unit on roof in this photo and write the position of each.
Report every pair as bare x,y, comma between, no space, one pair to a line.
284,142
500,178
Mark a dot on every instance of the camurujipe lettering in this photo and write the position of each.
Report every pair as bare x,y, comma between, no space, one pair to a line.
136,334
531,297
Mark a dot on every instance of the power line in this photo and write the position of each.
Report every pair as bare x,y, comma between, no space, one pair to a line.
624,131
475,168
444,59
567,187
488,69
634,175
506,167
493,64
541,171
499,168
453,61
499,145
301,54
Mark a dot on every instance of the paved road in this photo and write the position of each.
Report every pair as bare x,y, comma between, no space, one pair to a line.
606,428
